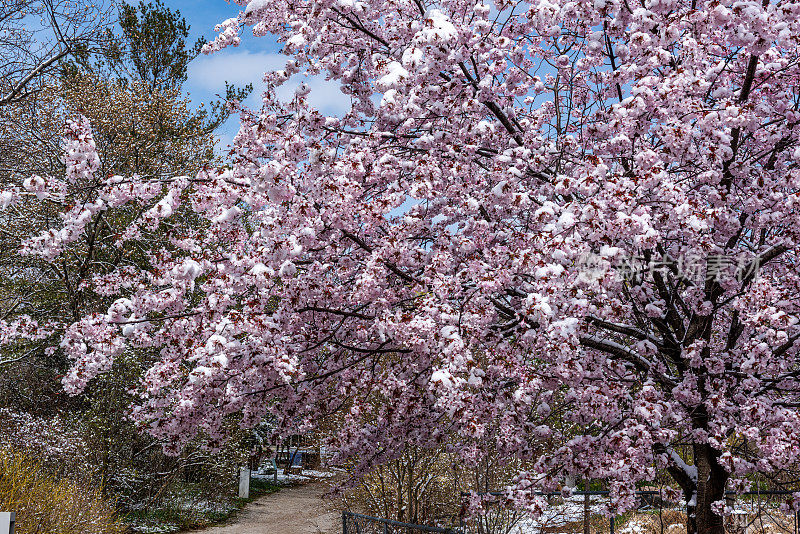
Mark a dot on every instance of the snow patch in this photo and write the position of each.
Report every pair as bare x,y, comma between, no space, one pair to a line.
256,5
438,28
396,73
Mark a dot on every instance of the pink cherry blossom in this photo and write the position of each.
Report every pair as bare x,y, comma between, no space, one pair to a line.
561,222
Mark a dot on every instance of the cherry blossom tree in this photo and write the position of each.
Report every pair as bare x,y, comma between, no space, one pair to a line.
536,217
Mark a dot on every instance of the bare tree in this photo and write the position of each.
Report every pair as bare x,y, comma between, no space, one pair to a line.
36,35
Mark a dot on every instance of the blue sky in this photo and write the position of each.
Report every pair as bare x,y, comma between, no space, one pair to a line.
243,64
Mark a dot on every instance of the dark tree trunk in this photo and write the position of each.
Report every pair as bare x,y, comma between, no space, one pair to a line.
691,521
711,481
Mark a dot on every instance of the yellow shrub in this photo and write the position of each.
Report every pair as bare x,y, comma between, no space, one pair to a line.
45,505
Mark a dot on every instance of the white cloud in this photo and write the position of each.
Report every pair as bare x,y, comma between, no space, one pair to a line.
208,74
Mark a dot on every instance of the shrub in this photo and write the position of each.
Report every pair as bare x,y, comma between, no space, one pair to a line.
50,439
46,505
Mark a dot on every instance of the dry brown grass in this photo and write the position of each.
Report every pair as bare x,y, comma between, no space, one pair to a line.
45,505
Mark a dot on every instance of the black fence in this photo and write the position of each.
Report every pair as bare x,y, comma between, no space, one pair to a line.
583,512
353,523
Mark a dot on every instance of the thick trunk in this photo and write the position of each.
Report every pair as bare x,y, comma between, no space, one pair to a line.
711,481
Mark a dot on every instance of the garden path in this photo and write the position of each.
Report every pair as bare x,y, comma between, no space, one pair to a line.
293,510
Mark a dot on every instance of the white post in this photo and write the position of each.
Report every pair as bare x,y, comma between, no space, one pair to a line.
7,522
244,483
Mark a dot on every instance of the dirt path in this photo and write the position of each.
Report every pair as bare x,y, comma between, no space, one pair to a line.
296,510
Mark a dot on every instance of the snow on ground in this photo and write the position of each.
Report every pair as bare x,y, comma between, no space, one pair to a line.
570,511
563,517
191,507
281,478
308,474
317,474
155,529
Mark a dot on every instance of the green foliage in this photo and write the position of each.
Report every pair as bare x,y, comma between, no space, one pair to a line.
149,46
153,40
260,487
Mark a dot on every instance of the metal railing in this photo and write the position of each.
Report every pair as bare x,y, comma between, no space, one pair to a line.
754,512
353,523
